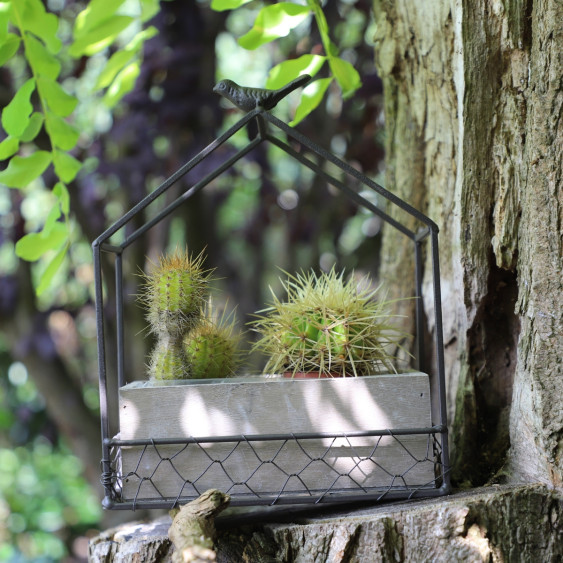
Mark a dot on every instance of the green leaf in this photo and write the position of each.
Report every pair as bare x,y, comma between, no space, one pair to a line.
33,128
59,101
137,42
34,18
100,36
346,75
33,245
8,147
9,48
4,20
284,72
311,97
149,9
319,17
97,12
124,82
23,170
63,135
60,190
66,166
15,116
222,5
116,63
272,22
49,273
332,49
120,59
41,61
51,223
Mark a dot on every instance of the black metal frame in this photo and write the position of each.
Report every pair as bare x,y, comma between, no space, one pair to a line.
438,432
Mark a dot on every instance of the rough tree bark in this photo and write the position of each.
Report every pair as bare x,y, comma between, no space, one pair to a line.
473,99
476,526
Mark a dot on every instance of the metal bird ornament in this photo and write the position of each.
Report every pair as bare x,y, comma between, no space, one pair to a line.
247,98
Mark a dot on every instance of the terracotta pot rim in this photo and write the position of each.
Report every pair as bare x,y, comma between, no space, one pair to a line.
310,375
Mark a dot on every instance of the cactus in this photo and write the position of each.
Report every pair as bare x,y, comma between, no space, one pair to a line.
327,325
174,292
211,348
167,359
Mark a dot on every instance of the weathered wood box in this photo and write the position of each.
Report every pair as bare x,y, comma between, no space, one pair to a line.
256,407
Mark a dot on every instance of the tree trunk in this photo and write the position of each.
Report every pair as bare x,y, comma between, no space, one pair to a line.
473,101
521,524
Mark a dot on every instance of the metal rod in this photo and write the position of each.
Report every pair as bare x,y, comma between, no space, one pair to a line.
107,470
176,176
350,193
419,305
276,437
102,374
293,498
262,128
440,355
189,193
119,320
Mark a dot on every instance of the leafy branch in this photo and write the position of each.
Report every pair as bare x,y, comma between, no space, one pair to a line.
41,102
278,20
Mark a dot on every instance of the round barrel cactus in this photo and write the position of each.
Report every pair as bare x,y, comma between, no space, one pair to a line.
329,326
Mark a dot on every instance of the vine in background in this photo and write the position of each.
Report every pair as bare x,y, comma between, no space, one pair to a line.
278,20
41,102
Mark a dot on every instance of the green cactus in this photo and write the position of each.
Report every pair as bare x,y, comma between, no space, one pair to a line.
327,325
211,348
173,293
167,359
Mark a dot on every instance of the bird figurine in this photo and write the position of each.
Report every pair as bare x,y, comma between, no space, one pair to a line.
247,98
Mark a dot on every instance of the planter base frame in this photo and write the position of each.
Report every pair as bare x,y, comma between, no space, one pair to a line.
131,483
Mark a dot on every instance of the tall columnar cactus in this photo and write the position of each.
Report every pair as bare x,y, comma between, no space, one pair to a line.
329,326
173,295
167,359
212,348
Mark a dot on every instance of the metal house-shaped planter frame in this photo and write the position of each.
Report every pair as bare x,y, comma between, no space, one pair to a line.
160,471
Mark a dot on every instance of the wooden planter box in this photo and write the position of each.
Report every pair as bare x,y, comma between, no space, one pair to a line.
254,406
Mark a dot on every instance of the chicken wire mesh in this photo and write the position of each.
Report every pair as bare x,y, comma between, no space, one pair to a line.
297,483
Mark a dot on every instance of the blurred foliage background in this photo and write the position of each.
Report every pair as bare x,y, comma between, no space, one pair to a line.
264,214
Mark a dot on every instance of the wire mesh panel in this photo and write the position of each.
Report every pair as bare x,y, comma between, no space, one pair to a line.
370,459
343,468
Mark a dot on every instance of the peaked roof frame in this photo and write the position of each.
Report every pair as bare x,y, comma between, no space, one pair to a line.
264,121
